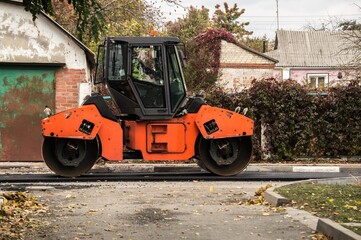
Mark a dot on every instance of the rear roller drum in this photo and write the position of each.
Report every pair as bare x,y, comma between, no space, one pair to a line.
226,156
70,157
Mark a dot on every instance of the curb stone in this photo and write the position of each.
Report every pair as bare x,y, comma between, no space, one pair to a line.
39,188
275,199
335,230
325,226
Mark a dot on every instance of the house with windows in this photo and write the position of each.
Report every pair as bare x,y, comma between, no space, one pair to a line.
316,58
41,64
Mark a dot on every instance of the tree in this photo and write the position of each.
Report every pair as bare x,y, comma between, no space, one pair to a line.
334,24
203,38
204,58
352,37
89,20
353,45
121,17
89,14
195,22
259,44
227,19
349,25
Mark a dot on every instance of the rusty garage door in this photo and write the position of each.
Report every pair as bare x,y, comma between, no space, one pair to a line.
24,92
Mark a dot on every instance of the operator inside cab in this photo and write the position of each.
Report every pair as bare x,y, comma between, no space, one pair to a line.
146,65
147,74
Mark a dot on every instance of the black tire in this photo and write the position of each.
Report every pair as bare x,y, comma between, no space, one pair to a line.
71,161
201,164
225,157
199,161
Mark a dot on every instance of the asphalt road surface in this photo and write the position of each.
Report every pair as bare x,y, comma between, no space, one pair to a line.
161,210
160,206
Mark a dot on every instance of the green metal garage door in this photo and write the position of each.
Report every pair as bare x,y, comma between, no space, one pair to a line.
24,92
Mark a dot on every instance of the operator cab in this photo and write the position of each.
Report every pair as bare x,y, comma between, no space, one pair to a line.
142,75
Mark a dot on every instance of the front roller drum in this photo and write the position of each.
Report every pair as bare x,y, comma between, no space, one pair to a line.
226,156
70,157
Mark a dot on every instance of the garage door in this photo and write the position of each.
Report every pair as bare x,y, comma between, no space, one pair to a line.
24,92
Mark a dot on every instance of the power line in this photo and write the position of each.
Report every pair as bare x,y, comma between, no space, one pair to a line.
299,16
303,16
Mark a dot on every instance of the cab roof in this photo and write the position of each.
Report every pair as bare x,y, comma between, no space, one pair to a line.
145,40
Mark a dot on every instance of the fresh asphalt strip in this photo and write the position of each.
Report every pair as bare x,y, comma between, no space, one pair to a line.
173,176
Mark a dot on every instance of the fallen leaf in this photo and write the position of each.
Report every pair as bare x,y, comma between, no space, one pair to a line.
260,191
73,205
350,207
70,196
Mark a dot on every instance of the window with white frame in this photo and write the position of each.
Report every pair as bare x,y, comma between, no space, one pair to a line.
317,80
285,73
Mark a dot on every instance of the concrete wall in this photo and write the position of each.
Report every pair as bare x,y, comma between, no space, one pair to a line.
23,41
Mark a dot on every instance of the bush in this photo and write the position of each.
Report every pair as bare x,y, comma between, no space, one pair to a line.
297,123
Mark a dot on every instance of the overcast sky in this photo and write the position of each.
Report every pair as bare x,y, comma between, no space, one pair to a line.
293,14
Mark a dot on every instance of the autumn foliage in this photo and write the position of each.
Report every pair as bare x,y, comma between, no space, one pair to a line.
298,122
204,58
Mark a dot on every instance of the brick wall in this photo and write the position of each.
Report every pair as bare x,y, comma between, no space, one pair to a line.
67,88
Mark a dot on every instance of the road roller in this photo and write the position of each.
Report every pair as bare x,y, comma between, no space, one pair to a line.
139,109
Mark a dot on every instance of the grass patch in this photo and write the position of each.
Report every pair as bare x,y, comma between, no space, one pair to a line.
342,204
354,229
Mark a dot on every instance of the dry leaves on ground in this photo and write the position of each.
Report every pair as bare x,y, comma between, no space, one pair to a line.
16,215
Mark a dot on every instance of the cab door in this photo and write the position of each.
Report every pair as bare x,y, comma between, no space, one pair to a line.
148,77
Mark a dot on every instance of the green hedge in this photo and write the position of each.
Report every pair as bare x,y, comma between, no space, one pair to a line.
298,122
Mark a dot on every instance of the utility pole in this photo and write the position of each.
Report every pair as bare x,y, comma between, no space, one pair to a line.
278,17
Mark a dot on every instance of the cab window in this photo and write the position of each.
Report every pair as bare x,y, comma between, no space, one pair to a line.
117,62
148,75
177,89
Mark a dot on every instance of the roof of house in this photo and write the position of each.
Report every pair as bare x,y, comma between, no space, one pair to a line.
311,49
233,54
262,55
89,54
224,35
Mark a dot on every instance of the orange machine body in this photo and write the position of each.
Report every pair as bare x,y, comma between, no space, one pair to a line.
68,124
172,139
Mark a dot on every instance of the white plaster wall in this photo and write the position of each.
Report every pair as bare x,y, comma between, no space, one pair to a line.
25,41
300,75
236,79
85,90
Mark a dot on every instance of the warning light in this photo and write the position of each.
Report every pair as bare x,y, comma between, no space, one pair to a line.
153,33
